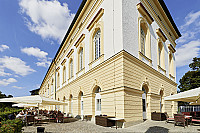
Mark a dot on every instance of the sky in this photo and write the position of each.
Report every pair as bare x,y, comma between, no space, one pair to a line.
31,32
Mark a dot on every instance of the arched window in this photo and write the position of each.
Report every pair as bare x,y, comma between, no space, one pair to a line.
48,89
58,80
161,101
71,68
81,59
71,104
143,40
161,55
97,44
81,102
144,101
52,86
64,74
171,65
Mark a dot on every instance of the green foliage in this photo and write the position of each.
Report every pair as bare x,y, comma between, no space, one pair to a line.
11,126
191,79
3,105
6,111
195,65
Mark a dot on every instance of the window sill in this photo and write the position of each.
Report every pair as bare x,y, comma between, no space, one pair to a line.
145,58
161,70
171,77
70,79
82,70
94,61
63,83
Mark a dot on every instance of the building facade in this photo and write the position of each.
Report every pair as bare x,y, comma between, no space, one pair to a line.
117,59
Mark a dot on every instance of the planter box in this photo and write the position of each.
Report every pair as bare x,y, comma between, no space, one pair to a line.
157,116
104,121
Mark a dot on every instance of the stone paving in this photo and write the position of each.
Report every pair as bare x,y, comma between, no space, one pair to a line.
148,126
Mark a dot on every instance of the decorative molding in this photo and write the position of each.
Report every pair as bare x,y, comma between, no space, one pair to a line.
70,53
171,48
58,69
95,19
144,13
161,34
63,62
82,37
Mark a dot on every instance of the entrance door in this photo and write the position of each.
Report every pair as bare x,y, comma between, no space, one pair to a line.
144,105
81,105
97,104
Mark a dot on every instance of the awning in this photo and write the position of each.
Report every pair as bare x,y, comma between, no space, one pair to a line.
192,95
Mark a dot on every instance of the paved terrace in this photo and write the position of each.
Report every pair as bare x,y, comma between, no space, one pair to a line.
148,126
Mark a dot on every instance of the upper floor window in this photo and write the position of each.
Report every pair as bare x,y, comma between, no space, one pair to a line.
58,79
81,59
71,68
161,55
143,39
52,87
64,74
97,43
171,65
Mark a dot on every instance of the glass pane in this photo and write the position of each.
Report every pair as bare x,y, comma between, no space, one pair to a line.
97,39
81,105
143,36
144,105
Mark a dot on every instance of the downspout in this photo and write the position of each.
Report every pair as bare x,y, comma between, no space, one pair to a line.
114,54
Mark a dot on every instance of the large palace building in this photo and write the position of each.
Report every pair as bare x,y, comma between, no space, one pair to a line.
118,59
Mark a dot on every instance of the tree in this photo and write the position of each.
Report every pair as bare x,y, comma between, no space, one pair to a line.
191,79
3,105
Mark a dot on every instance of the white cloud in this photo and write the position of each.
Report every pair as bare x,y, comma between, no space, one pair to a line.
17,87
6,82
3,73
191,18
40,55
47,18
187,52
34,52
3,47
186,36
16,65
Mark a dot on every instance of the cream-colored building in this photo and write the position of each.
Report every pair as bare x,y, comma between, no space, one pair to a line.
117,59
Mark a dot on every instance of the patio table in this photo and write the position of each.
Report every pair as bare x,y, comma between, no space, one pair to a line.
116,120
188,117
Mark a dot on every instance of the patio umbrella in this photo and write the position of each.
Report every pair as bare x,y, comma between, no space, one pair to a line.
192,95
24,105
35,99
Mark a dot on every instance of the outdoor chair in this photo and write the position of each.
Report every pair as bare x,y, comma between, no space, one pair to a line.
29,118
60,117
179,119
168,118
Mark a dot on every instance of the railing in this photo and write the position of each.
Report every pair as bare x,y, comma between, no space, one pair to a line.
189,108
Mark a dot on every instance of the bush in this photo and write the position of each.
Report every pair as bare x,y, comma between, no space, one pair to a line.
11,126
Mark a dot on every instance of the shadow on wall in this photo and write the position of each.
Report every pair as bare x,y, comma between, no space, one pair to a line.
157,129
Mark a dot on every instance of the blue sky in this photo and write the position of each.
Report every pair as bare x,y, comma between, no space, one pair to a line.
31,32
